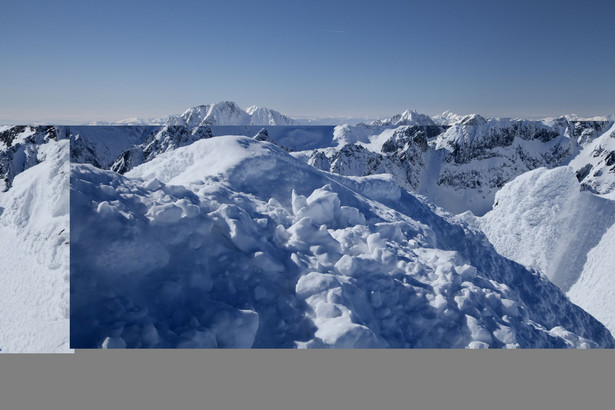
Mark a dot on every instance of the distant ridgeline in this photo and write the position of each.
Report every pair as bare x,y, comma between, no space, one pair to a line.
459,165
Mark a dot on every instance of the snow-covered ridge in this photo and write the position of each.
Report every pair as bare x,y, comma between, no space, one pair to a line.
233,242
19,146
168,138
460,166
34,240
220,113
543,220
408,117
447,118
122,148
595,165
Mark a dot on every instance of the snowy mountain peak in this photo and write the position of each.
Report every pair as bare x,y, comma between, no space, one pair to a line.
448,118
193,116
473,119
251,109
408,117
221,113
229,113
267,116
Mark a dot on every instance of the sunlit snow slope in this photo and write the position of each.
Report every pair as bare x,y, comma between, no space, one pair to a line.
544,220
232,242
34,244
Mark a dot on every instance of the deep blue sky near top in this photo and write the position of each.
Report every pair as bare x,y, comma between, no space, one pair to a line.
71,61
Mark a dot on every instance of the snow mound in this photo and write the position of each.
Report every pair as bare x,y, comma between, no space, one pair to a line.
232,242
34,255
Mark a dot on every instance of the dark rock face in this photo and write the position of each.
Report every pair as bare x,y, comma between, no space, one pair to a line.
19,149
412,136
319,160
166,139
262,135
9,135
586,131
583,172
81,152
472,158
482,140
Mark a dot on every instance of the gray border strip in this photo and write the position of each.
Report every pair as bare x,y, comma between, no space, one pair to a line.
314,379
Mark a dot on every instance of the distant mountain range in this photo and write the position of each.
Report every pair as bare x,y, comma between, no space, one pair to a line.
229,113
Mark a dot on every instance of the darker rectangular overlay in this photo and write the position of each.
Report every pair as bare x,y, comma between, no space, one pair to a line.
306,237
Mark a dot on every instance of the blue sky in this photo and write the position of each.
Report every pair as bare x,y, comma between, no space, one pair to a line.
80,60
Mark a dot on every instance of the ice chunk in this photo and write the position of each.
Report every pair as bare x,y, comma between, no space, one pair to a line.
315,282
321,206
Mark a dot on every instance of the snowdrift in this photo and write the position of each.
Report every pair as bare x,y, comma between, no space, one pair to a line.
232,242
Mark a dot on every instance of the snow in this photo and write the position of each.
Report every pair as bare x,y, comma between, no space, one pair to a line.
595,288
447,118
408,117
229,113
596,163
122,148
266,116
233,242
34,255
544,221
458,167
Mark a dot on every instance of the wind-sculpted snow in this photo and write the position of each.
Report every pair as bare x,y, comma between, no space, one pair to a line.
34,244
595,288
232,242
544,221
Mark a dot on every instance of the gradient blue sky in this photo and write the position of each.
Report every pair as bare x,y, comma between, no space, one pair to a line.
64,61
